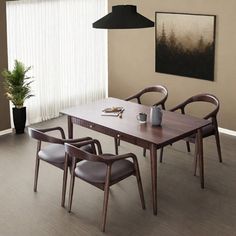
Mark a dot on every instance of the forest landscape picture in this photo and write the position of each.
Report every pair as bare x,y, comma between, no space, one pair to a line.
185,44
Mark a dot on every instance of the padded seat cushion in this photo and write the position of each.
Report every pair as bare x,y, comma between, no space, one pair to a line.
55,153
95,172
206,131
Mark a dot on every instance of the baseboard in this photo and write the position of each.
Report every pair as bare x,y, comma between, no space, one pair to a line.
7,131
227,131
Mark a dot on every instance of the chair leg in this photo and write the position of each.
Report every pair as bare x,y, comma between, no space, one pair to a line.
65,173
116,141
72,182
188,146
161,154
218,145
195,159
36,174
106,197
140,186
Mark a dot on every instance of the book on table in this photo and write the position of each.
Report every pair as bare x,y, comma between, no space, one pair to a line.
112,111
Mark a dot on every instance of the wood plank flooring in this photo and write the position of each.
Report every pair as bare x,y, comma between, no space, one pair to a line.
183,207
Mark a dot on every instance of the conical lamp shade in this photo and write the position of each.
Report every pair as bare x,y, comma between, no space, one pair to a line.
123,17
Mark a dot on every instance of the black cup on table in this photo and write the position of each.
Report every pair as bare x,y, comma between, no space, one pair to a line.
142,117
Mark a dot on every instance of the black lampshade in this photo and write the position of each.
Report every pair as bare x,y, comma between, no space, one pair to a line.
123,17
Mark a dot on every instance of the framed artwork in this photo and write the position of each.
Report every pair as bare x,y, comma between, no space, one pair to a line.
185,44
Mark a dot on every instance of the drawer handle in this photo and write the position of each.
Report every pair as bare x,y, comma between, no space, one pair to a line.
117,135
90,126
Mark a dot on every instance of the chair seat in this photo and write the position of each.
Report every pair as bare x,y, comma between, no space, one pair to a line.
95,172
55,154
206,131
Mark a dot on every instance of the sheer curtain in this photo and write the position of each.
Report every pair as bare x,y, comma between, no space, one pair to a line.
68,57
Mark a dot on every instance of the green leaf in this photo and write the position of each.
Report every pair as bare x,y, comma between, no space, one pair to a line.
17,84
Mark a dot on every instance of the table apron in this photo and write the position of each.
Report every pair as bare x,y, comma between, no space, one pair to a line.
113,133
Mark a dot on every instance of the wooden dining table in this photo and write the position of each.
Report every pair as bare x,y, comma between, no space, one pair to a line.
174,127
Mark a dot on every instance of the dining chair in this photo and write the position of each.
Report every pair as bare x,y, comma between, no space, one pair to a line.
53,153
139,97
209,130
101,170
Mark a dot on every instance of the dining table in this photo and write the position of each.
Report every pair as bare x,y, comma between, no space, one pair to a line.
174,127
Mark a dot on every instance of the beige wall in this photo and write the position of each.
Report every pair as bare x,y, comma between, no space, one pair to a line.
4,104
132,56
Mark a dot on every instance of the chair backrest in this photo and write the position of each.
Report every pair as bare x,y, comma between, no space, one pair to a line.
202,98
40,136
157,88
75,151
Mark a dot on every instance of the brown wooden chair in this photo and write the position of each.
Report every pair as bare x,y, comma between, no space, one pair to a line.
138,97
53,153
101,170
207,131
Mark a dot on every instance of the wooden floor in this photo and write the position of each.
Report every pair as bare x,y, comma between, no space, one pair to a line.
183,207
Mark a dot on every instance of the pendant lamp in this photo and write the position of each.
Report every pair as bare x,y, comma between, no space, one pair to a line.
123,17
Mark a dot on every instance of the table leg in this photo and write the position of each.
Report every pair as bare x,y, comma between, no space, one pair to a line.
70,127
200,156
116,141
153,156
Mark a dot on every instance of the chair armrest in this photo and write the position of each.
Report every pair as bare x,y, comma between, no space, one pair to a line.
39,134
92,142
53,129
76,140
181,106
132,97
161,103
111,159
212,115
178,107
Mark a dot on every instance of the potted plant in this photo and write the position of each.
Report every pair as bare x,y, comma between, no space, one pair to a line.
17,87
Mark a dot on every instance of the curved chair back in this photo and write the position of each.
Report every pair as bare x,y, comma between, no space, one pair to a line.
201,98
78,153
40,136
157,88
211,129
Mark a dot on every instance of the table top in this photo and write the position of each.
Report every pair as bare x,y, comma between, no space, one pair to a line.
175,126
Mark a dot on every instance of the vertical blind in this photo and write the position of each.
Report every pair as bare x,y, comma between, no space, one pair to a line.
68,57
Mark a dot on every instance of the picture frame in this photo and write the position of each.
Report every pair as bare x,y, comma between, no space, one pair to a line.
185,44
